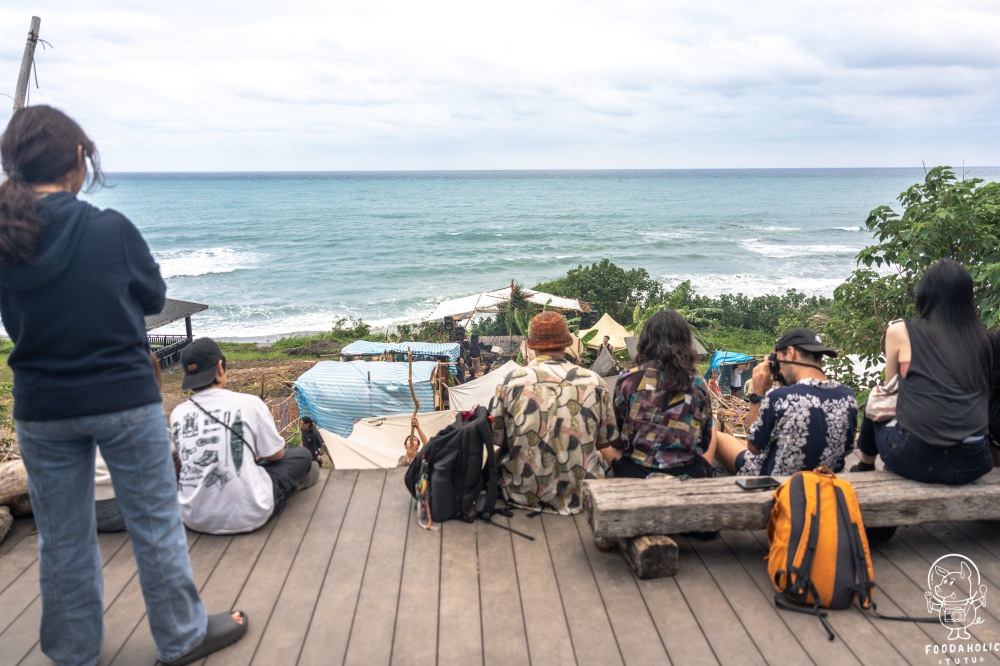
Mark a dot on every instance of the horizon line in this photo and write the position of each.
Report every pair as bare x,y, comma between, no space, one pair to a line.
553,170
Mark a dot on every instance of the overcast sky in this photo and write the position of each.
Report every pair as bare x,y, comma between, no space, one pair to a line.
397,84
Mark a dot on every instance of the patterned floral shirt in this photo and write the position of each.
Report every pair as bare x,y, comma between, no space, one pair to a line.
550,418
662,429
803,426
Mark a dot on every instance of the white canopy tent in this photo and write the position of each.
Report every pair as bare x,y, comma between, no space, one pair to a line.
378,442
490,302
481,390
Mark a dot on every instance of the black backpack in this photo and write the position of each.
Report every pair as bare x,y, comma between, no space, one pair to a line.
448,473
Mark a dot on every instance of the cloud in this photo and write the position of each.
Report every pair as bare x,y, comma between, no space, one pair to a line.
586,84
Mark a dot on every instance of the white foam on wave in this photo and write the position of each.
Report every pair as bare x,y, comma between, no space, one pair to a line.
226,326
206,261
261,324
775,251
664,235
857,228
771,228
756,285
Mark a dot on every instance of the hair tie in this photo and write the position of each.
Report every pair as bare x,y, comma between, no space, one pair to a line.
15,176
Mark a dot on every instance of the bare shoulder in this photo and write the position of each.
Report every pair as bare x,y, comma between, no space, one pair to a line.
897,331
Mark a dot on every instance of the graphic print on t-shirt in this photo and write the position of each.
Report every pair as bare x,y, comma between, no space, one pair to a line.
236,442
191,425
205,442
217,476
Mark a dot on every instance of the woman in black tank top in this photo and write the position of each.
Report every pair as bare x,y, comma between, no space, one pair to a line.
942,415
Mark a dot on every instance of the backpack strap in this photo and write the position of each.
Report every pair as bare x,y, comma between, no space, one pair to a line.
862,583
803,585
492,482
813,610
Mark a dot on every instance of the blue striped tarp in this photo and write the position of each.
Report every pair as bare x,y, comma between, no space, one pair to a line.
422,350
336,394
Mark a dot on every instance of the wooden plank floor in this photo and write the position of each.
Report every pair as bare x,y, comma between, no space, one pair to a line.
345,576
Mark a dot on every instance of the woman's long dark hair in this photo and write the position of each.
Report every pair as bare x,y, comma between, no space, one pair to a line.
666,340
949,319
39,147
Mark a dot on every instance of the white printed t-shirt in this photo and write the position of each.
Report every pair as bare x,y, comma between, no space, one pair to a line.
221,489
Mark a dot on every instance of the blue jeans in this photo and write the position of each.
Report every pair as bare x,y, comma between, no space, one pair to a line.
59,457
910,457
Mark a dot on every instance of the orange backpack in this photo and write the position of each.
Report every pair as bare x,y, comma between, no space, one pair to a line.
819,551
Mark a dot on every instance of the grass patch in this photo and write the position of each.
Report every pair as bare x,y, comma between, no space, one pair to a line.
249,351
294,341
742,340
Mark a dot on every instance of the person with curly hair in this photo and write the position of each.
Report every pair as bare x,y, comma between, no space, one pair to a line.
663,407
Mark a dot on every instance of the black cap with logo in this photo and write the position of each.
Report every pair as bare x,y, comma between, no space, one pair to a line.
200,361
805,339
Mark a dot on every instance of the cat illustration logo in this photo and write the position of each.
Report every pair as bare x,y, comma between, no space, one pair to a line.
954,592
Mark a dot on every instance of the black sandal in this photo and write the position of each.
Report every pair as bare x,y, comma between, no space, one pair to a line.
222,631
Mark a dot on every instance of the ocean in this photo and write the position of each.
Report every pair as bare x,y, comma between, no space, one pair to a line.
276,253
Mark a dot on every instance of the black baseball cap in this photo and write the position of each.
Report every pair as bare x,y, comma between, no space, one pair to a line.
803,338
200,361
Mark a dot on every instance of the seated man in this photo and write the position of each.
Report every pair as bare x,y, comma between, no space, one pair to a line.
807,421
553,423
235,470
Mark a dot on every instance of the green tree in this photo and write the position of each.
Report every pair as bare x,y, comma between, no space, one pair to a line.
608,288
942,217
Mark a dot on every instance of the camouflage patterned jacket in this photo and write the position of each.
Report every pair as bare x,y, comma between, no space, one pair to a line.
550,420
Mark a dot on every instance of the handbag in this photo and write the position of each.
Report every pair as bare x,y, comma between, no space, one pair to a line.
881,405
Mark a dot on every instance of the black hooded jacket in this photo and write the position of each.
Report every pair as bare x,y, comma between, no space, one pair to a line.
75,314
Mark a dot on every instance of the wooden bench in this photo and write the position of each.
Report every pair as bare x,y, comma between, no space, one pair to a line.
639,513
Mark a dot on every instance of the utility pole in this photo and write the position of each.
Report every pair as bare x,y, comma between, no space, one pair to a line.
29,57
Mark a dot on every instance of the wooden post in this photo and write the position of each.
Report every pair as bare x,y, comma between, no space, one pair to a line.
411,453
21,92
187,325
413,394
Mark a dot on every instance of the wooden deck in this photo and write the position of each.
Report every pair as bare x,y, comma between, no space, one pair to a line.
346,576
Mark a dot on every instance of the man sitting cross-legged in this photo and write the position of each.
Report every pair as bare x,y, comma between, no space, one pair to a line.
808,421
235,470
554,424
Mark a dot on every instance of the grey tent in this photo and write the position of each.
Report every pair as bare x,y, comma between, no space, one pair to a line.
632,344
605,363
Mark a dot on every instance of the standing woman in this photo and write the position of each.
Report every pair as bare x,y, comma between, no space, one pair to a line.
75,283
663,408
943,361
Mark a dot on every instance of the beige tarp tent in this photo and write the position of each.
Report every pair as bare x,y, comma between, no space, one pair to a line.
573,351
606,325
378,441
480,390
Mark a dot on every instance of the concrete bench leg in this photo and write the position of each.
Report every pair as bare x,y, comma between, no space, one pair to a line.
651,555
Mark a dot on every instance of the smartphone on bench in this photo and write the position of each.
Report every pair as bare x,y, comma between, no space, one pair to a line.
757,483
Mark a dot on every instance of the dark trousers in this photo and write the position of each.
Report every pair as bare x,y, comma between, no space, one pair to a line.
908,456
626,467
287,473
